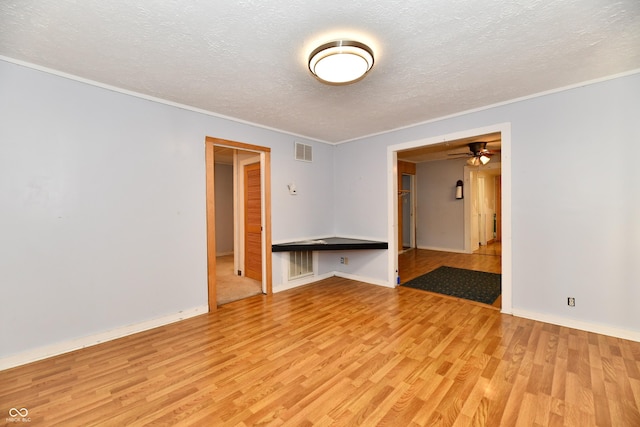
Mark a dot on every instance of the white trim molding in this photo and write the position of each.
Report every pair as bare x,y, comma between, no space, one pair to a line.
579,324
88,341
364,279
505,161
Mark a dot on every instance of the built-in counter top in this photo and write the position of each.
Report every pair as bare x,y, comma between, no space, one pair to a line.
329,244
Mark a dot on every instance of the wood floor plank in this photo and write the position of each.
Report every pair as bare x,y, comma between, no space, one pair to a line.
339,352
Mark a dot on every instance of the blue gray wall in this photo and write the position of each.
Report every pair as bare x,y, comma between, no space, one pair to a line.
102,207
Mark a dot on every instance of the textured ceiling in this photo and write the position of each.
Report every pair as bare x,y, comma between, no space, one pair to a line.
247,59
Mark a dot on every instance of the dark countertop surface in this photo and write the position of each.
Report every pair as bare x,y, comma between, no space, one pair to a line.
329,244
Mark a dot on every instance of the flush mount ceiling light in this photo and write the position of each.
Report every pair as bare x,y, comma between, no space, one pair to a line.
341,62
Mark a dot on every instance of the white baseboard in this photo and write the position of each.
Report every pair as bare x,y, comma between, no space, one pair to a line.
76,344
301,282
578,324
313,279
433,248
364,279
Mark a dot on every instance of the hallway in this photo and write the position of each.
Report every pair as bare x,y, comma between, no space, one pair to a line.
231,287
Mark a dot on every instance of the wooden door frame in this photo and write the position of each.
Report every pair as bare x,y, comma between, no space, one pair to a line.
265,152
404,168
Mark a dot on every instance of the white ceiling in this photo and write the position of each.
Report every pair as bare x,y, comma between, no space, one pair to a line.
246,59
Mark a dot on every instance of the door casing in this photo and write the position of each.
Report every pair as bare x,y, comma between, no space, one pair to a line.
404,168
265,162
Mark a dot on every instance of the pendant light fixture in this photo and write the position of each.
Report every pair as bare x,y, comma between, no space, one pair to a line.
341,62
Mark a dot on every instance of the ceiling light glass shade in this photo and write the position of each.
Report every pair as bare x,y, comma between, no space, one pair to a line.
478,160
341,62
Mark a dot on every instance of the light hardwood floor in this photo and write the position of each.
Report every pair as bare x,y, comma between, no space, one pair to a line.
339,352
416,262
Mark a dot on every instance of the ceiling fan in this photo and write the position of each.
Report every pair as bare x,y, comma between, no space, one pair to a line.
478,154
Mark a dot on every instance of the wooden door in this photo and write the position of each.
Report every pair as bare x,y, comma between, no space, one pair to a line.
252,222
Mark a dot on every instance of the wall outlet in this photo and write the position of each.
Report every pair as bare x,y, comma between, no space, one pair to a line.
344,260
571,302
341,260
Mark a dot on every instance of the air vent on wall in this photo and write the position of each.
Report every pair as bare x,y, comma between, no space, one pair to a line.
303,152
300,264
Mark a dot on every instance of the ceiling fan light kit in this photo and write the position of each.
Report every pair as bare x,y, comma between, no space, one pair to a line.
341,62
478,160
481,155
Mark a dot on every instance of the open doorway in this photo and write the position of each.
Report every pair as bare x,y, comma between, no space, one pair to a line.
499,233
408,210
406,205
483,206
238,206
238,220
